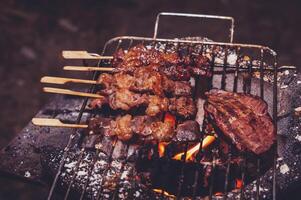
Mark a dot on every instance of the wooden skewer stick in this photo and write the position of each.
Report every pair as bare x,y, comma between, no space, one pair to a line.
55,123
84,55
70,92
88,69
61,81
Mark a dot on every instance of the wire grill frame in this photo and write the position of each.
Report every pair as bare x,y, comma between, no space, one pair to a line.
263,50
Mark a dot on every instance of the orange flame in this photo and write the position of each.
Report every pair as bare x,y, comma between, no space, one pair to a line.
164,192
193,150
238,183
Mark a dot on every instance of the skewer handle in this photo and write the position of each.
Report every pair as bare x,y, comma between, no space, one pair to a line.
84,55
70,92
55,123
61,81
88,69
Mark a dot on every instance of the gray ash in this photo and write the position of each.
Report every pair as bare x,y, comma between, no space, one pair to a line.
94,172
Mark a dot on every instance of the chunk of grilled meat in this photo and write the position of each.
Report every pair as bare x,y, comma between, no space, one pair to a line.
147,80
144,80
156,105
125,100
172,64
122,127
243,118
183,106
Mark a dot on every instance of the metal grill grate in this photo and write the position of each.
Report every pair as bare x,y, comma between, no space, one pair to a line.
262,60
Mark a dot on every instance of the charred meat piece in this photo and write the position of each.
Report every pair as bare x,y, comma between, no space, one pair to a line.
141,125
200,66
183,106
176,72
122,127
99,125
147,80
156,105
107,80
124,81
162,131
176,88
118,80
243,118
98,103
124,99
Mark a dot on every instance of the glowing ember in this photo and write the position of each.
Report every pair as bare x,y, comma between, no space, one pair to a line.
192,151
169,118
161,148
165,193
238,183
219,194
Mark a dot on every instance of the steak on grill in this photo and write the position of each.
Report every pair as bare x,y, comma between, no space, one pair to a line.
243,118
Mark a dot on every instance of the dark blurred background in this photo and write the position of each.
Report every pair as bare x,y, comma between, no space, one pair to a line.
34,32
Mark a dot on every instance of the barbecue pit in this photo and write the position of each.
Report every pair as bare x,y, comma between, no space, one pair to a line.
227,77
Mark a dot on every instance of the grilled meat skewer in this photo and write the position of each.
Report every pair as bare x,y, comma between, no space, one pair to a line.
125,100
243,118
145,80
173,65
146,127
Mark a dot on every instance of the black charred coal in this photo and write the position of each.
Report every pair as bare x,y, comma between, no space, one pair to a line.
187,131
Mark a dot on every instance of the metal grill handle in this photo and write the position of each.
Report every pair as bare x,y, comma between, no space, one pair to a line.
231,19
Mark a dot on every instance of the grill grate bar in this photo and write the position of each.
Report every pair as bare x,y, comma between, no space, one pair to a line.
168,156
226,185
235,83
198,169
200,150
82,150
110,159
275,118
68,146
243,175
181,177
74,173
212,177
230,151
89,174
258,179
115,194
223,82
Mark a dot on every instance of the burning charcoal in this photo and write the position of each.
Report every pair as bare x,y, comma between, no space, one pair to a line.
90,141
187,131
98,125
